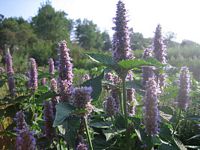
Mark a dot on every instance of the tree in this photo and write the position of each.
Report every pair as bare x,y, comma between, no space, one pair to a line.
15,34
137,41
107,45
88,35
51,25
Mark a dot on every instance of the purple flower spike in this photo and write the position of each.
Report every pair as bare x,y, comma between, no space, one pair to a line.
82,99
65,66
10,73
110,106
132,102
147,72
65,91
25,140
159,47
151,112
20,121
147,53
33,75
54,86
115,93
81,146
184,88
48,118
121,47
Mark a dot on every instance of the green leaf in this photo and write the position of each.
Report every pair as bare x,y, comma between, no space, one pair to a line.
135,63
2,82
167,110
46,96
71,126
96,84
102,125
193,147
179,144
165,147
165,131
101,58
138,134
63,111
109,134
194,137
154,62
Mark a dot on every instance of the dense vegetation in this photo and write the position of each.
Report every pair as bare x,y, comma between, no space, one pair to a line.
64,84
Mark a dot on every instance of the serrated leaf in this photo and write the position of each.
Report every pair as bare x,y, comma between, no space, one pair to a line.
63,111
135,63
96,84
101,58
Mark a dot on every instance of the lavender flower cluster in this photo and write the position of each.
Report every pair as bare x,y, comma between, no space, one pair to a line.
49,118
10,73
147,72
121,47
82,99
25,139
110,106
184,88
65,72
159,47
147,53
132,102
151,112
33,75
81,146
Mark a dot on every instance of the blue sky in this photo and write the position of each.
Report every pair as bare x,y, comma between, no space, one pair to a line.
178,16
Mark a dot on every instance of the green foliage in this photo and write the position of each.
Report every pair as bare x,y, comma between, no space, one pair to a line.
89,37
96,85
187,55
51,25
64,110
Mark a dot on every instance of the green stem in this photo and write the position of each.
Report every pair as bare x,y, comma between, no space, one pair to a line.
121,103
177,123
125,101
88,134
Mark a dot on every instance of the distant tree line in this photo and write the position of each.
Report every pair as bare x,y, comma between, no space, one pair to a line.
39,37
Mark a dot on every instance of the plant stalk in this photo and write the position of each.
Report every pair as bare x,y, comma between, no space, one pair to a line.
125,101
87,133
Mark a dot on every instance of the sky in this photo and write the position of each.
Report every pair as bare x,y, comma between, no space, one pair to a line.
178,16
